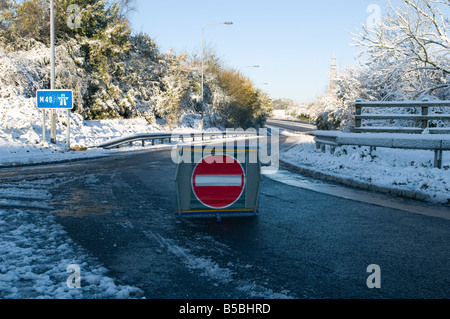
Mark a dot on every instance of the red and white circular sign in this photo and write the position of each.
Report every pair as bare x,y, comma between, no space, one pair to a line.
218,181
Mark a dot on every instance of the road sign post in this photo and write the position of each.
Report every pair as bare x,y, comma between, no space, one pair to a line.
52,70
55,100
68,130
43,127
220,183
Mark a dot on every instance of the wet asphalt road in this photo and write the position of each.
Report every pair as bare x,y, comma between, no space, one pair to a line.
304,244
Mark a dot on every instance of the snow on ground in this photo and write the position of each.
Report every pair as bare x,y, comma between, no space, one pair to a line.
36,253
21,136
279,114
393,168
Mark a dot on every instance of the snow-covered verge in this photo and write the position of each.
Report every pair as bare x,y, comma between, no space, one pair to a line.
35,255
280,114
24,72
21,133
410,170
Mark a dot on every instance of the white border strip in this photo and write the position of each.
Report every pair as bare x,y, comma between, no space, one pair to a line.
218,180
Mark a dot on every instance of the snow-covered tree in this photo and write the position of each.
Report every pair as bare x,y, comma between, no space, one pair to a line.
409,48
405,56
114,73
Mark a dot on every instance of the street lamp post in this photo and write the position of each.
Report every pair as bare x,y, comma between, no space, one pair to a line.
250,66
203,54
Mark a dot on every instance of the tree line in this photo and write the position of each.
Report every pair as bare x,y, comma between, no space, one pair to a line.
115,73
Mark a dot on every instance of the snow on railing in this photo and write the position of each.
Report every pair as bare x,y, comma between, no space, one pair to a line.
167,137
394,136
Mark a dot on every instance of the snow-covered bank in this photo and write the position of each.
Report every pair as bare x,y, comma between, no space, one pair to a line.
21,133
399,169
35,255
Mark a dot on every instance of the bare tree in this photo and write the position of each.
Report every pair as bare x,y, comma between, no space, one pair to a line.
412,40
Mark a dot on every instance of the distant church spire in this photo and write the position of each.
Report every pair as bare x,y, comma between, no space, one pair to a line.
333,73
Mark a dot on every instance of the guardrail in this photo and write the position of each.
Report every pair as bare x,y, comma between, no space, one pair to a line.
434,142
390,136
414,122
166,136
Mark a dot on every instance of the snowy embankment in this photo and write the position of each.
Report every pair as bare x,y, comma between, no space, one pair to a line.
21,142
399,169
21,134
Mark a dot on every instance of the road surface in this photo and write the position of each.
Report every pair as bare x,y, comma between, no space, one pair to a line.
304,244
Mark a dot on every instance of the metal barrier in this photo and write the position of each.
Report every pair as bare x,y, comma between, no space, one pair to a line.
434,142
166,136
414,121
393,137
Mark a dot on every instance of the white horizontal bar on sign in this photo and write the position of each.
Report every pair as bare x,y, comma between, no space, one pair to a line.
218,180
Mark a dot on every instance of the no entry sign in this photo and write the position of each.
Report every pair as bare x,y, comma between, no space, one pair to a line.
218,181
225,182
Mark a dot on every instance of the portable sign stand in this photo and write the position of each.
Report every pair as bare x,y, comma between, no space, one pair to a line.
55,100
222,183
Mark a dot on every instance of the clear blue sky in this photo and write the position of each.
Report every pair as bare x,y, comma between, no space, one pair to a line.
291,40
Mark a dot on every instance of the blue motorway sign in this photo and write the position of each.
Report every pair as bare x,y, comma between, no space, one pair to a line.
54,99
